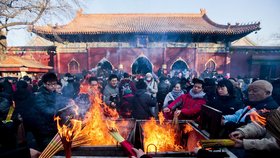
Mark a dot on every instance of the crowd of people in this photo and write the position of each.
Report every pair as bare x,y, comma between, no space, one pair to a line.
27,107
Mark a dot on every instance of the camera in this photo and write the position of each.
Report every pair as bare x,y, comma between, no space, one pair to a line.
114,98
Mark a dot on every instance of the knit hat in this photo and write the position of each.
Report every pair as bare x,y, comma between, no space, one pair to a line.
263,84
149,74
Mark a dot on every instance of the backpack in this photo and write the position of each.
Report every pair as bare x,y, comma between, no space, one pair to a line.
126,89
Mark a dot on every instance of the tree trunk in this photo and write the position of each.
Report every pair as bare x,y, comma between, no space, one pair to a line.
3,43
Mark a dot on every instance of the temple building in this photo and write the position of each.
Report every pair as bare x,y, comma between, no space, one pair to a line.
139,43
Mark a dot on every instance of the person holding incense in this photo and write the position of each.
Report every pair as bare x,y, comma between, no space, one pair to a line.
47,103
259,140
140,154
187,106
259,95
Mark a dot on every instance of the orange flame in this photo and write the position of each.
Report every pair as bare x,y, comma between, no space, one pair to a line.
99,119
162,135
70,131
187,128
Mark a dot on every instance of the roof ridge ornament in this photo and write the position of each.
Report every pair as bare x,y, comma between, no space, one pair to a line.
79,12
202,11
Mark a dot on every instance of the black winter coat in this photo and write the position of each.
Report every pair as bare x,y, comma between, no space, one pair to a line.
228,105
46,106
142,103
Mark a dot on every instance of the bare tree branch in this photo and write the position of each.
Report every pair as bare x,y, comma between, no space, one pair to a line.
29,12
20,13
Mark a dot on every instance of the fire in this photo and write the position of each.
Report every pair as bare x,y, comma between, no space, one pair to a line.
98,119
163,135
70,130
256,117
68,127
94,126
187,128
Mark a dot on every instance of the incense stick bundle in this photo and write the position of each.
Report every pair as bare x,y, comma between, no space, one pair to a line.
175,121
216,143
127,146
56,145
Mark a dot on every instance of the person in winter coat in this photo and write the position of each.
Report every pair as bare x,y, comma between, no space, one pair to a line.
152,85
126,84
24,105
174,94
126,104
258,140
163,89
210,90
187,106
259,98
68,89
12,136
226,100
47,103
111,95
143,106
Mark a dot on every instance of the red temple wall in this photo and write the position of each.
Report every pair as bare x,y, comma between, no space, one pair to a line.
63,60
157,56
238,63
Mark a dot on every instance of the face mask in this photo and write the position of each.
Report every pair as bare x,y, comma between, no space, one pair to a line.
148,78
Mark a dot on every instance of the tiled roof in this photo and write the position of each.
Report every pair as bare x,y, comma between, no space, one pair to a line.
17,62
245,41
145,23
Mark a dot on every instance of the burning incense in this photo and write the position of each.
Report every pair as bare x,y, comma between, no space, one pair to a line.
68,132
212,143
55,145
124,143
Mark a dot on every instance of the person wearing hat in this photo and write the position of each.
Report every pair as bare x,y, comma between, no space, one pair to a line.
187,106
152,86
259,95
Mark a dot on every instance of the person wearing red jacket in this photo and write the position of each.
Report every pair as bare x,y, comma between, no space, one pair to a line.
187,106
